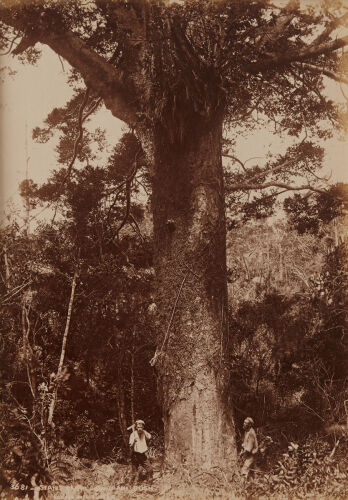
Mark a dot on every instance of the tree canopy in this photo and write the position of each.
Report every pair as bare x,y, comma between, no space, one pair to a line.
167,67
180,74
193,58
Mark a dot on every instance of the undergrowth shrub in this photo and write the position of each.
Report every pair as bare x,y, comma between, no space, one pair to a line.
312,468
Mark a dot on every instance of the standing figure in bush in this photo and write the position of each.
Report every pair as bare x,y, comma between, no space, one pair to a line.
249,447
138,444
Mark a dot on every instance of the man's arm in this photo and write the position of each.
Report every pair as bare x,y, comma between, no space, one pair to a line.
248,443
256,445
132,439
147,435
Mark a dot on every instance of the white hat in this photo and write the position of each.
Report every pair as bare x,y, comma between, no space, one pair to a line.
140,422
249,420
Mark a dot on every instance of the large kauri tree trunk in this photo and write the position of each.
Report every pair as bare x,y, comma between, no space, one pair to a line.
190,262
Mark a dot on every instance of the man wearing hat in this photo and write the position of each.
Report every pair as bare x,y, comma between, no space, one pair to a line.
138,445
249,446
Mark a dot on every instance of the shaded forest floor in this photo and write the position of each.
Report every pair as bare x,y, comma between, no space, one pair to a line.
112,481
301,472
100,481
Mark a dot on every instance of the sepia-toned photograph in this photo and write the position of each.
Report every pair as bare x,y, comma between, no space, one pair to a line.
173,249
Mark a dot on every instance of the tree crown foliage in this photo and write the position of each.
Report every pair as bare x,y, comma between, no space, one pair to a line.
176,62
168,69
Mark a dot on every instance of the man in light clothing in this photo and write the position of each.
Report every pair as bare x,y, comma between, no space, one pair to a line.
249,447
138,445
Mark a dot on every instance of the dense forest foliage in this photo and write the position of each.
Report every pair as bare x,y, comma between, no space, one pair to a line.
79,321
115,304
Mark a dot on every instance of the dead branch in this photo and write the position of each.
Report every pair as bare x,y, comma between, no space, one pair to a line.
334,448
287,187
131,216
225,155
61,62
15,291
63,349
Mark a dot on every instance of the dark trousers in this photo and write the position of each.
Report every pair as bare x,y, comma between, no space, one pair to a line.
139,463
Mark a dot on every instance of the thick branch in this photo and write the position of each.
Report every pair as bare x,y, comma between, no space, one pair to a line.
98,74
309,52
324,71
335,23
24,44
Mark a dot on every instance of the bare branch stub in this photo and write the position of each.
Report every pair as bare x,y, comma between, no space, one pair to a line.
288,187
225,155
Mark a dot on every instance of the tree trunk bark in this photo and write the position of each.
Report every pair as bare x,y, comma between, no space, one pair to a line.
121,407
132,412
190,263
